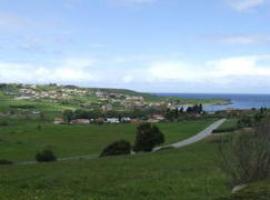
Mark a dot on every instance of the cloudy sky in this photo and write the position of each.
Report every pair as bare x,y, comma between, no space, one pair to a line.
216,46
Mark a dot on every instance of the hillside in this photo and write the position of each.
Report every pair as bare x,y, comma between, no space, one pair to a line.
58,98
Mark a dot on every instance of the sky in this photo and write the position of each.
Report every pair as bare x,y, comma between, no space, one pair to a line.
194,46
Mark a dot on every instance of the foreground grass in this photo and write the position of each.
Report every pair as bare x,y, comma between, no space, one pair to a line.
191,173
228,126
254,191
22,139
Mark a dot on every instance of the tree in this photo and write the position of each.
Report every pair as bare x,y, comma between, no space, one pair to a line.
148,136
246,157
120,147
46,156
68,115
195,109
200,108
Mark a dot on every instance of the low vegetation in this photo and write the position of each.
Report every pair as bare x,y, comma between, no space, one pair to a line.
21,140
3,123
191,173
246,158
5,162
121,147
148,136
230,125
45,156
254,191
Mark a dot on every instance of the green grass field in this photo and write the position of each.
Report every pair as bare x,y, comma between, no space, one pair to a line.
22,139
191,173
228,126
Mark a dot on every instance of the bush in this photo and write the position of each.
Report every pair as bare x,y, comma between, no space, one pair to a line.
39,127
254,191
148,136
121,147
225,130
5,162
3,123
246,121
247,156
46,156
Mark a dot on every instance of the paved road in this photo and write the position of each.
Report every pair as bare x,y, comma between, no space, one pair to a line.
201,135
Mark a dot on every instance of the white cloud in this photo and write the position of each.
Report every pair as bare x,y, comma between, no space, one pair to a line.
138,1
240,67
12,21
132,2
245,5
244,39
250,73
225,68
69,71
171,71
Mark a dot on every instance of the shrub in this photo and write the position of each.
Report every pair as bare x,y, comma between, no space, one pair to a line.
39,127
247,156
225,130
246,121
5,162
148,136
121,147
46,156
68,115
254,191
3,123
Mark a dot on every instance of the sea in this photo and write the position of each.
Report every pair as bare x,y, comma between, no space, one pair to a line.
238,101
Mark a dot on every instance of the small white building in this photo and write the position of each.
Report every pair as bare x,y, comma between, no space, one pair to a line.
125,119
158,117
113,120
58,121
80,121
107,107
153,121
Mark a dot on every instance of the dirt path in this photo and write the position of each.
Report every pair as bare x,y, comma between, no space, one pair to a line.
201,135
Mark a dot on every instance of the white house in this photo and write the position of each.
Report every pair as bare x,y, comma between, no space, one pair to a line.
113,120
80,121
125,119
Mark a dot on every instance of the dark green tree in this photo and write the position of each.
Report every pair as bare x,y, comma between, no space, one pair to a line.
148,136
68,115
45,156
121,147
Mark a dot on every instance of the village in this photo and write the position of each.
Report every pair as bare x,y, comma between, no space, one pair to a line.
156,118
95,106
104,100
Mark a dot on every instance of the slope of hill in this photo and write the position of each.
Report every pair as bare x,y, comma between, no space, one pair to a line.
57,98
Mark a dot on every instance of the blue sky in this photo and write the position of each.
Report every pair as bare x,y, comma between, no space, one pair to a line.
147,45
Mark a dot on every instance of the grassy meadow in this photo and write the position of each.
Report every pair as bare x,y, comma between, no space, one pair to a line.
22,139
188,173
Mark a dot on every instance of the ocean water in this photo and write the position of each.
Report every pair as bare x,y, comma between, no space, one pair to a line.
238,101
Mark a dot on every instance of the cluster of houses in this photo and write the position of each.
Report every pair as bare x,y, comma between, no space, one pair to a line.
125,101
153,119
105,100
60,94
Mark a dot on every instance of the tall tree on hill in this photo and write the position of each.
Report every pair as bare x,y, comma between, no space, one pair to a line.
148,136
68,115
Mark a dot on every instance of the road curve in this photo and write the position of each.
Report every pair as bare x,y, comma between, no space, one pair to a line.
201,135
